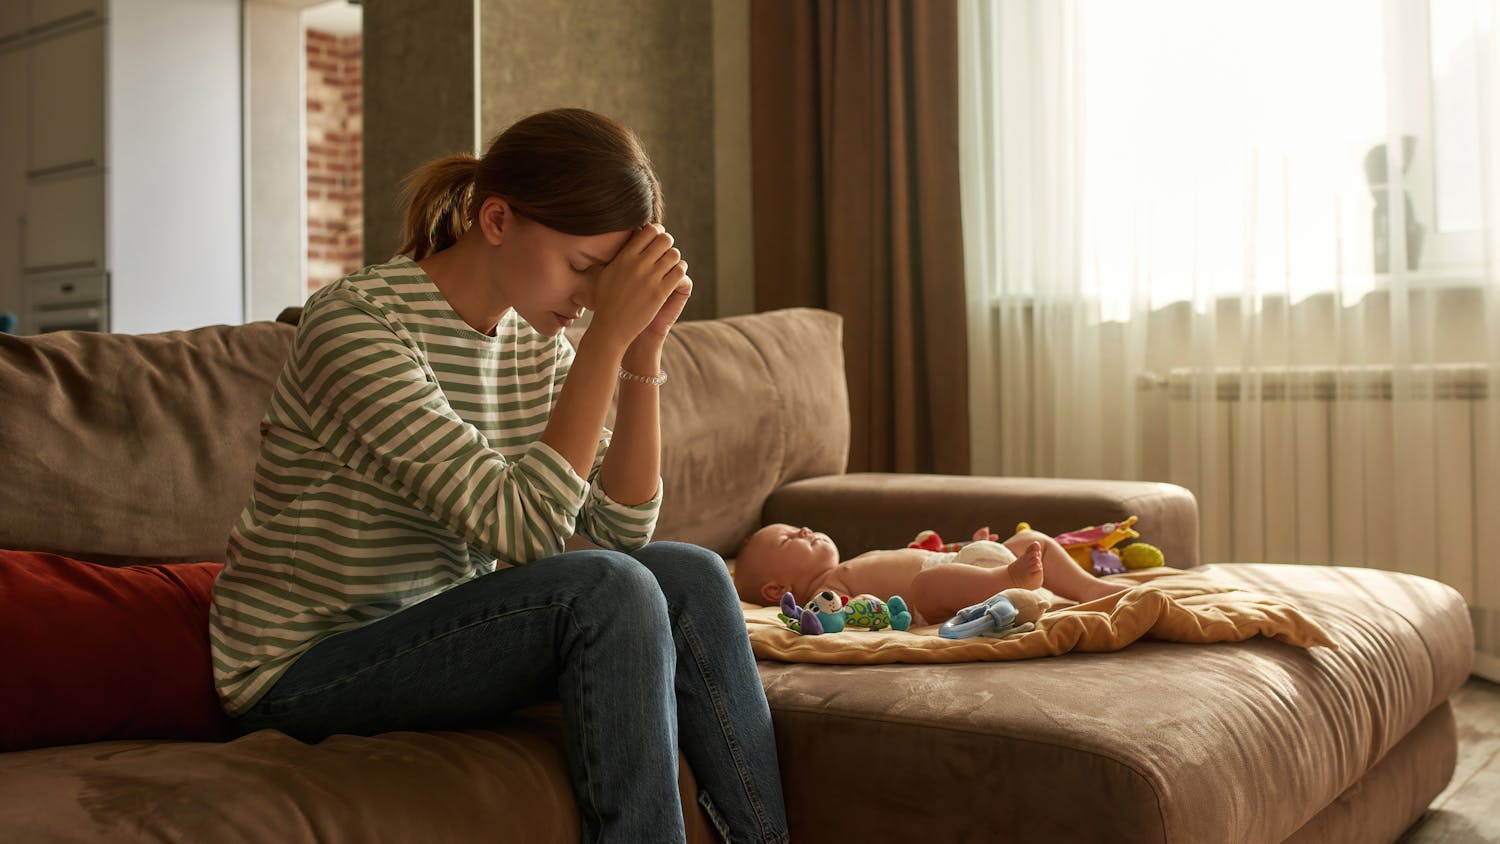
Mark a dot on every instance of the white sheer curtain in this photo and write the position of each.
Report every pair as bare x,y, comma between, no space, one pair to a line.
1253,249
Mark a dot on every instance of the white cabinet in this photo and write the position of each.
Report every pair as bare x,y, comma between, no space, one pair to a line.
13,20
52,164
53,14
12,175
118,122
65,223
67,102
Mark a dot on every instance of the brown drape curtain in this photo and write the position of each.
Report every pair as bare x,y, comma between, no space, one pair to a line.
854,134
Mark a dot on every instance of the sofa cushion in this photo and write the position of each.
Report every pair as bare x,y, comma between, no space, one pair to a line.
92,652
1137,745
754,402
509,783
132,448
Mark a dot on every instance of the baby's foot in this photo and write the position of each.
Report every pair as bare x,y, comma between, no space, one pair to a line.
1026,571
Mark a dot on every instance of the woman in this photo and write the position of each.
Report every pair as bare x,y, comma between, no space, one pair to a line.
433,421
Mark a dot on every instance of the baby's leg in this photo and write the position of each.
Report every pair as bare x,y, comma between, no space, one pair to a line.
1060,573
939,592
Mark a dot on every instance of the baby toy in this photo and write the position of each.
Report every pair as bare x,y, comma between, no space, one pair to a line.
1093,547
1142,555
829,612
1006,613
928,540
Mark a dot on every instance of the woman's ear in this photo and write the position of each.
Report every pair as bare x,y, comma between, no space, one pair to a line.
772,592
496,220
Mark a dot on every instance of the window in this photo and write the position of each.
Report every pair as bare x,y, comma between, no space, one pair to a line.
1450,193
1244,130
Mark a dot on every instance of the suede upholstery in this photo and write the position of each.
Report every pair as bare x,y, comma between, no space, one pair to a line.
137,448
118,448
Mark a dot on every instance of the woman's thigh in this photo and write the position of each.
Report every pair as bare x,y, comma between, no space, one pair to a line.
463,657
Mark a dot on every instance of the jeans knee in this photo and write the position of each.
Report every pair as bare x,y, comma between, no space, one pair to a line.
623,589
688,572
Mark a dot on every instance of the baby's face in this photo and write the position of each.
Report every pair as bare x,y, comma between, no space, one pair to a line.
782,555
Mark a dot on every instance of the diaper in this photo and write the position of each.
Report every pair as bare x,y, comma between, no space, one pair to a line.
985,554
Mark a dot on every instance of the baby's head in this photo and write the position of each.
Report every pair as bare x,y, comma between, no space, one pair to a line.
780,558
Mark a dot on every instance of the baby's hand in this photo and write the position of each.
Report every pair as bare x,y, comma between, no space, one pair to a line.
984,535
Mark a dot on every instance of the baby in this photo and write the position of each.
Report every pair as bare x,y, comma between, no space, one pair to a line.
780,558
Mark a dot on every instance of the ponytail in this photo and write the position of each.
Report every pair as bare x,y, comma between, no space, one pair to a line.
437,197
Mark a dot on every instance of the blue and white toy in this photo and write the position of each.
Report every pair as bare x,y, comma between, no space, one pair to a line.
1003,614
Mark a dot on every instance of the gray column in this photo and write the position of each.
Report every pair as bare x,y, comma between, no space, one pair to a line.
646,63
419,101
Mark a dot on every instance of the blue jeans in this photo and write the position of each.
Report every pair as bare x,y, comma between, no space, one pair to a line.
647,651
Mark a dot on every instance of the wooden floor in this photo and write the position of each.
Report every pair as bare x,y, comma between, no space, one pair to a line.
1468,810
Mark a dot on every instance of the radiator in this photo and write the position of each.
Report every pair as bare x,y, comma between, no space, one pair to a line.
1317,465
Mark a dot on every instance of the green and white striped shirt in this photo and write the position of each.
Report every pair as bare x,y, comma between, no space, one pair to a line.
400,456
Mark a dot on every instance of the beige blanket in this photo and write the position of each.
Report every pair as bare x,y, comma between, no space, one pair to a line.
1161,604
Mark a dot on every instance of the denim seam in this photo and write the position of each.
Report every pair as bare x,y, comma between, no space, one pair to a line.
695,646
713,815
585,729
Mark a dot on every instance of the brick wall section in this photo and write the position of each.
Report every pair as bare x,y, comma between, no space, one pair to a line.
335,192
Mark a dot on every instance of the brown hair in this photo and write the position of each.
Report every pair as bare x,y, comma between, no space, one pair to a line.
569,169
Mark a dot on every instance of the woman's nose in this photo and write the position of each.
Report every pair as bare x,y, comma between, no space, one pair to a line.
583,297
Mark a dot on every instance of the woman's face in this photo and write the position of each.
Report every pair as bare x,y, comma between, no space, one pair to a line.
549,276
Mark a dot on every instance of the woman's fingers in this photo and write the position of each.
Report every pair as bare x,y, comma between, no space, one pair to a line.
645,285
671,308
643,238
667,261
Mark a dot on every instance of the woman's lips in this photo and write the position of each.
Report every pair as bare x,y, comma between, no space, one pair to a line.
563,319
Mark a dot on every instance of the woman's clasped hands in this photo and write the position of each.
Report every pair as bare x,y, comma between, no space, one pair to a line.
641,292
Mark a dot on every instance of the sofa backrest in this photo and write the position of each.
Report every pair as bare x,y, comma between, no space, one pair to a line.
123,448
753,402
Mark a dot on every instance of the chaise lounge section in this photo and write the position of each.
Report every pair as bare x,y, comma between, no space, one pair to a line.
126,449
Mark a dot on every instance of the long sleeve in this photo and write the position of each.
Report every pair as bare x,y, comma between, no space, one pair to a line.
607,522
375,406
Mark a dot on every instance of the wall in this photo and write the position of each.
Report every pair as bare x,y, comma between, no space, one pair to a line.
175,241
274,157
335,199
734,227
13,164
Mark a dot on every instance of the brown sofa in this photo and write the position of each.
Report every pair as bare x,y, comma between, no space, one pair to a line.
139,448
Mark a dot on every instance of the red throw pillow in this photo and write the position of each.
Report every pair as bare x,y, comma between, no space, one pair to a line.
91,652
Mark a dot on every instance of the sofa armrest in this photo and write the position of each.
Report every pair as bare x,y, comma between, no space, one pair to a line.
865,511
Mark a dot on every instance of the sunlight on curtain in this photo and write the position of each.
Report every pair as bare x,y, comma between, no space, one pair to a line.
1251,249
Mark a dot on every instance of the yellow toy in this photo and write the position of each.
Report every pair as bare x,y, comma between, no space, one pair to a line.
1093,547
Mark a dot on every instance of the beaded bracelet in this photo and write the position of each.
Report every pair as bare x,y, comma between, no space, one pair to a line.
656,380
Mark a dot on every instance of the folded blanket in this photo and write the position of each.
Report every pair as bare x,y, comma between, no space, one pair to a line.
1162,604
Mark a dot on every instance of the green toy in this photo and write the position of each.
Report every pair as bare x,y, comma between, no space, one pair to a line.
829,612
